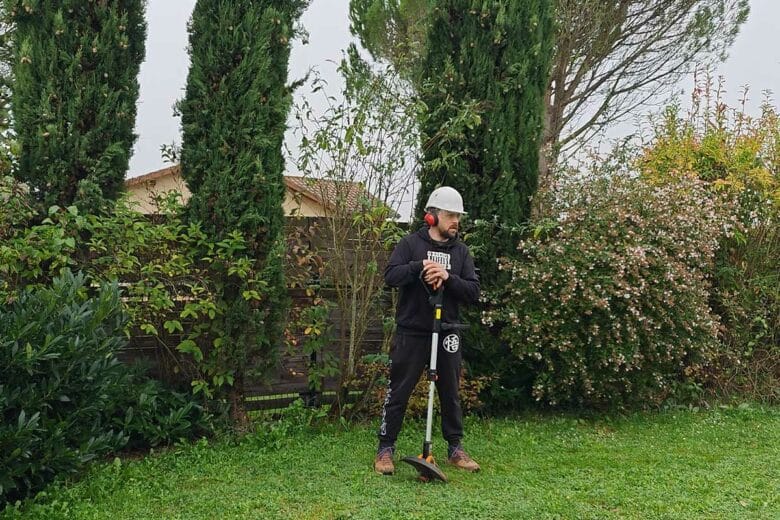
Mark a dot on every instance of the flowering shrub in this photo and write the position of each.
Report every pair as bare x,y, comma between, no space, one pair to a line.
739,154
608,300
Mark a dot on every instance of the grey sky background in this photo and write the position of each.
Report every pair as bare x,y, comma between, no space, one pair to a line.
754,60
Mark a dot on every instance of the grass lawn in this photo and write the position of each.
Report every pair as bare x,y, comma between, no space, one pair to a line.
715,464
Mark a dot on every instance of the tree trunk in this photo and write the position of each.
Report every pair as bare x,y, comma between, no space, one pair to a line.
548,145
547,139
238,414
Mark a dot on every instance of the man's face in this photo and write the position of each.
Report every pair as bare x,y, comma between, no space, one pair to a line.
449,222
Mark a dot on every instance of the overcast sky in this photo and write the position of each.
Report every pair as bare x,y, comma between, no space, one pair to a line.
754,60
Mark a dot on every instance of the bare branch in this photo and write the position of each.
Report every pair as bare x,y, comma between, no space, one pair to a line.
626,53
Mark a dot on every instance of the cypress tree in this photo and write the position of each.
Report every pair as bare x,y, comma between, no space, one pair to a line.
495,54
74,93
234,117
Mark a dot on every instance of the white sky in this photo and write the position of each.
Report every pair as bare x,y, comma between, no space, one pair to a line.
754,60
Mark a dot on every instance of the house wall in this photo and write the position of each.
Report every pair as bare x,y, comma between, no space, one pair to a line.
300,206
142,195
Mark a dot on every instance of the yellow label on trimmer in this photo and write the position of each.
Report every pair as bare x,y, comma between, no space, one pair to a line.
438,314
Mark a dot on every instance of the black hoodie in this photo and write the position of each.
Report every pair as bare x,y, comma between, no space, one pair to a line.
414,314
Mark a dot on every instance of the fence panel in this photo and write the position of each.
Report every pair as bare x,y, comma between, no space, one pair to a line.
290,379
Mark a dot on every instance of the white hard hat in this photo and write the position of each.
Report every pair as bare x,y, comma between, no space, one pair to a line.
446,198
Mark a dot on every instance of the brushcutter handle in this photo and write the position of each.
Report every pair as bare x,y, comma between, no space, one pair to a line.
434,296
453,326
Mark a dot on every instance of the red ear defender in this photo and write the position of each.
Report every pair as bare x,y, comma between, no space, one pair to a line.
431,219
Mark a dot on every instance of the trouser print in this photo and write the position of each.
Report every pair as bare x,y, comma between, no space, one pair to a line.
409,357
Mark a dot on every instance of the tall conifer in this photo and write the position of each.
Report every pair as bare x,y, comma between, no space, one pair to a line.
495,54
74,93
234,118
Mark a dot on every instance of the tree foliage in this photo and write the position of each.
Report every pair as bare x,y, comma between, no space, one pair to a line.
393,30
233,118
610,57
614,57
234,114
74,92
495,55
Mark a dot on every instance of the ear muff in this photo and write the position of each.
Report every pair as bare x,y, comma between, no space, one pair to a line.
432,219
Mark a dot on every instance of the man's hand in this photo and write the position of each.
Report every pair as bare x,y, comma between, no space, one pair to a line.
434,274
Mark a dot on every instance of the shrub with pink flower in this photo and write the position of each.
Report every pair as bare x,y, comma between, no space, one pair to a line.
608,299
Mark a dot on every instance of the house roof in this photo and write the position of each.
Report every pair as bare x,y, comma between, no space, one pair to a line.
321,191
326,191
142,179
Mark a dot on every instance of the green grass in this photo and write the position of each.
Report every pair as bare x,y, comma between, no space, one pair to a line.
716,464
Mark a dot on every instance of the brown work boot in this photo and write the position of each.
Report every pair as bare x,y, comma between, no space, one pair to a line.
383,463
460,459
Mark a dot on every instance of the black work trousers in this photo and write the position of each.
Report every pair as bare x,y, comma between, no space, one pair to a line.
409,357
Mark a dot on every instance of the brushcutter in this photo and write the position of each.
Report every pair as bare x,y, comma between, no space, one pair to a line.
425,463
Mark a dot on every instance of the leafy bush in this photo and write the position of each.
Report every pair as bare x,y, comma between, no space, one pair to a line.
739,154
58,373
65,397
150,414
747,296
171,275
314,334
362,154
16,208
608,302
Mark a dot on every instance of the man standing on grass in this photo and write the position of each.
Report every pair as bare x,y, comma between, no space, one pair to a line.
432,255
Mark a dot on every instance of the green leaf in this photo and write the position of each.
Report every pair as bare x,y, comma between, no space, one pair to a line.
149,329
251,295
189,311
190,347
173,326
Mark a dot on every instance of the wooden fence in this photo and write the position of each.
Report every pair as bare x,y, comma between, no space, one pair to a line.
290,379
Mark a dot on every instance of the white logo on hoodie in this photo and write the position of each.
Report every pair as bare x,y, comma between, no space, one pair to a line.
440,258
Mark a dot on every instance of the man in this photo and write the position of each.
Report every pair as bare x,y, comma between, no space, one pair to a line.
435,256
